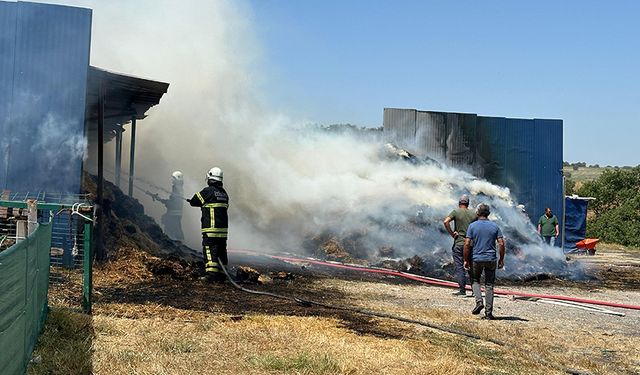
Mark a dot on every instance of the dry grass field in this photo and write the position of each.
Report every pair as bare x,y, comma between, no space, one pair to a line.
583,174
143,324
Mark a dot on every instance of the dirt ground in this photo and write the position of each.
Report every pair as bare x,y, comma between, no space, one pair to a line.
148,324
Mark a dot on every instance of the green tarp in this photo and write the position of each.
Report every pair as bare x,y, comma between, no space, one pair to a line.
24,279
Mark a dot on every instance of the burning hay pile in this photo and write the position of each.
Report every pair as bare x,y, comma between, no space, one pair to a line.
129,234
391,219
403,231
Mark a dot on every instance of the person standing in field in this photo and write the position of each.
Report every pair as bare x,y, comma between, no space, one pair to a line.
461,217
480,256
548,227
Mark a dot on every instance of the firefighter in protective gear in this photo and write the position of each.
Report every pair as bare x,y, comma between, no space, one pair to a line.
172,219
214,203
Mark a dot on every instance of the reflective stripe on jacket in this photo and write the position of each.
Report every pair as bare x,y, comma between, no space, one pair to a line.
214,203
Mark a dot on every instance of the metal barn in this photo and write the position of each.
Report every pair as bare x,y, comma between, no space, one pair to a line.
55,107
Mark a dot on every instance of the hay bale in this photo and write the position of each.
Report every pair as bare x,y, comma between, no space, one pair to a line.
127,226
247,275
282,275
333,249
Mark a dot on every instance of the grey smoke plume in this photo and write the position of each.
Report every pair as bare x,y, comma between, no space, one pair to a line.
286,182
54,134
51,144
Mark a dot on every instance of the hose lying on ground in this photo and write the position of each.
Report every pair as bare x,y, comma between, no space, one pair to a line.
433,281
306,302
454,331
575,305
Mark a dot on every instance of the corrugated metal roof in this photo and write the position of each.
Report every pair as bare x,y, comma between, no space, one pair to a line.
50,53
125,96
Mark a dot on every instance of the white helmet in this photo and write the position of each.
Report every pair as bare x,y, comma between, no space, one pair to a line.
214,173
176,177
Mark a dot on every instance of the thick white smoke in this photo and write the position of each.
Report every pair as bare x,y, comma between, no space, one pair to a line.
286,182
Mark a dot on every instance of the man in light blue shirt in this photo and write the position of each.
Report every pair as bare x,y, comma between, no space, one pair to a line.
480,257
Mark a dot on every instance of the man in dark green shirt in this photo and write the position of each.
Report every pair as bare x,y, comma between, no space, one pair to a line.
548,227
462,217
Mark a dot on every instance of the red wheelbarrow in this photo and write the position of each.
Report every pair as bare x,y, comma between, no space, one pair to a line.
588,245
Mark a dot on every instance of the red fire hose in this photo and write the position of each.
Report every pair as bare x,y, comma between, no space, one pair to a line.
432,281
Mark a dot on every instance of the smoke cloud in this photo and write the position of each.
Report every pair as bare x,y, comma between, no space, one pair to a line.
287,181
51,144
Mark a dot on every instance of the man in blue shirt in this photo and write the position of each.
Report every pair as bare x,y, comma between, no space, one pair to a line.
480,257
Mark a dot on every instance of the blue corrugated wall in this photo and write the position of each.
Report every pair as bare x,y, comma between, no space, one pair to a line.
44,59
7,55
491,134
524,155
547,173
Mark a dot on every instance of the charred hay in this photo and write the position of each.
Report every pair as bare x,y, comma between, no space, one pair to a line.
247,275
129,233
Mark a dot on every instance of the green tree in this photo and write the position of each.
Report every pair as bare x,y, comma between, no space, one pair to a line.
569,185
616,210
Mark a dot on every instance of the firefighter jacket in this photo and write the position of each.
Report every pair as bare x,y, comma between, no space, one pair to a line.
214,202
175,202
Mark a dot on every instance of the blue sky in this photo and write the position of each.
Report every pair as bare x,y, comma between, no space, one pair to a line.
344,61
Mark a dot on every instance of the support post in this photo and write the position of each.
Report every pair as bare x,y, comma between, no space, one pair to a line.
118,155
32,216
100,253
132,155
22,231
87,262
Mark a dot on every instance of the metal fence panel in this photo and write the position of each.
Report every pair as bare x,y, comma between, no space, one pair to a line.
524,155
490,151
400,127
431,135
460,142
520,163
547,151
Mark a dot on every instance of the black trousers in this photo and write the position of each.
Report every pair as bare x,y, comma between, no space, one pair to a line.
215,252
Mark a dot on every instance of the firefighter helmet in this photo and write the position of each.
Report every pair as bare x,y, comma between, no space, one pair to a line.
215,174
176,177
